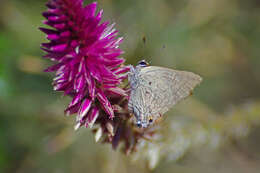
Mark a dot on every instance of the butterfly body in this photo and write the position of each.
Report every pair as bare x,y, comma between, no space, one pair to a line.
154,90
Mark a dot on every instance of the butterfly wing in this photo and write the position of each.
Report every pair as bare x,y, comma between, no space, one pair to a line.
160,88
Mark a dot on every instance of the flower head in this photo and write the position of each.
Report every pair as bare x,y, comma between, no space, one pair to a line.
86,52
88,69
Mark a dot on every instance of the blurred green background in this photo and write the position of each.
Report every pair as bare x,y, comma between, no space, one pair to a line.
217,39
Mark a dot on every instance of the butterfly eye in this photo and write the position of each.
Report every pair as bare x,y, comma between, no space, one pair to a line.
150,120
143,63
139,124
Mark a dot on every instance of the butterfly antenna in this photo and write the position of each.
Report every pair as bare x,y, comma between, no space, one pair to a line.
144,43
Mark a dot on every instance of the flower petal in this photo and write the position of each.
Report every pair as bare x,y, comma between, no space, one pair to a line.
121,70
90,10
76,100
117,91
91,85
85,106
80,83
105,103
92,117
59,48
72,110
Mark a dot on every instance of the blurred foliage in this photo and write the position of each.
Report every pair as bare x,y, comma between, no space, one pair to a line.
215,130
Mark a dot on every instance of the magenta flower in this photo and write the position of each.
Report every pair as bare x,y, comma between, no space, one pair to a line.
88,69
86,52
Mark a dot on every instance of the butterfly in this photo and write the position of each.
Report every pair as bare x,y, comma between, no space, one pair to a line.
154,90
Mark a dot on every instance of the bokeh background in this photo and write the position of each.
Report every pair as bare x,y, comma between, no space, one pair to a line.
215,130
